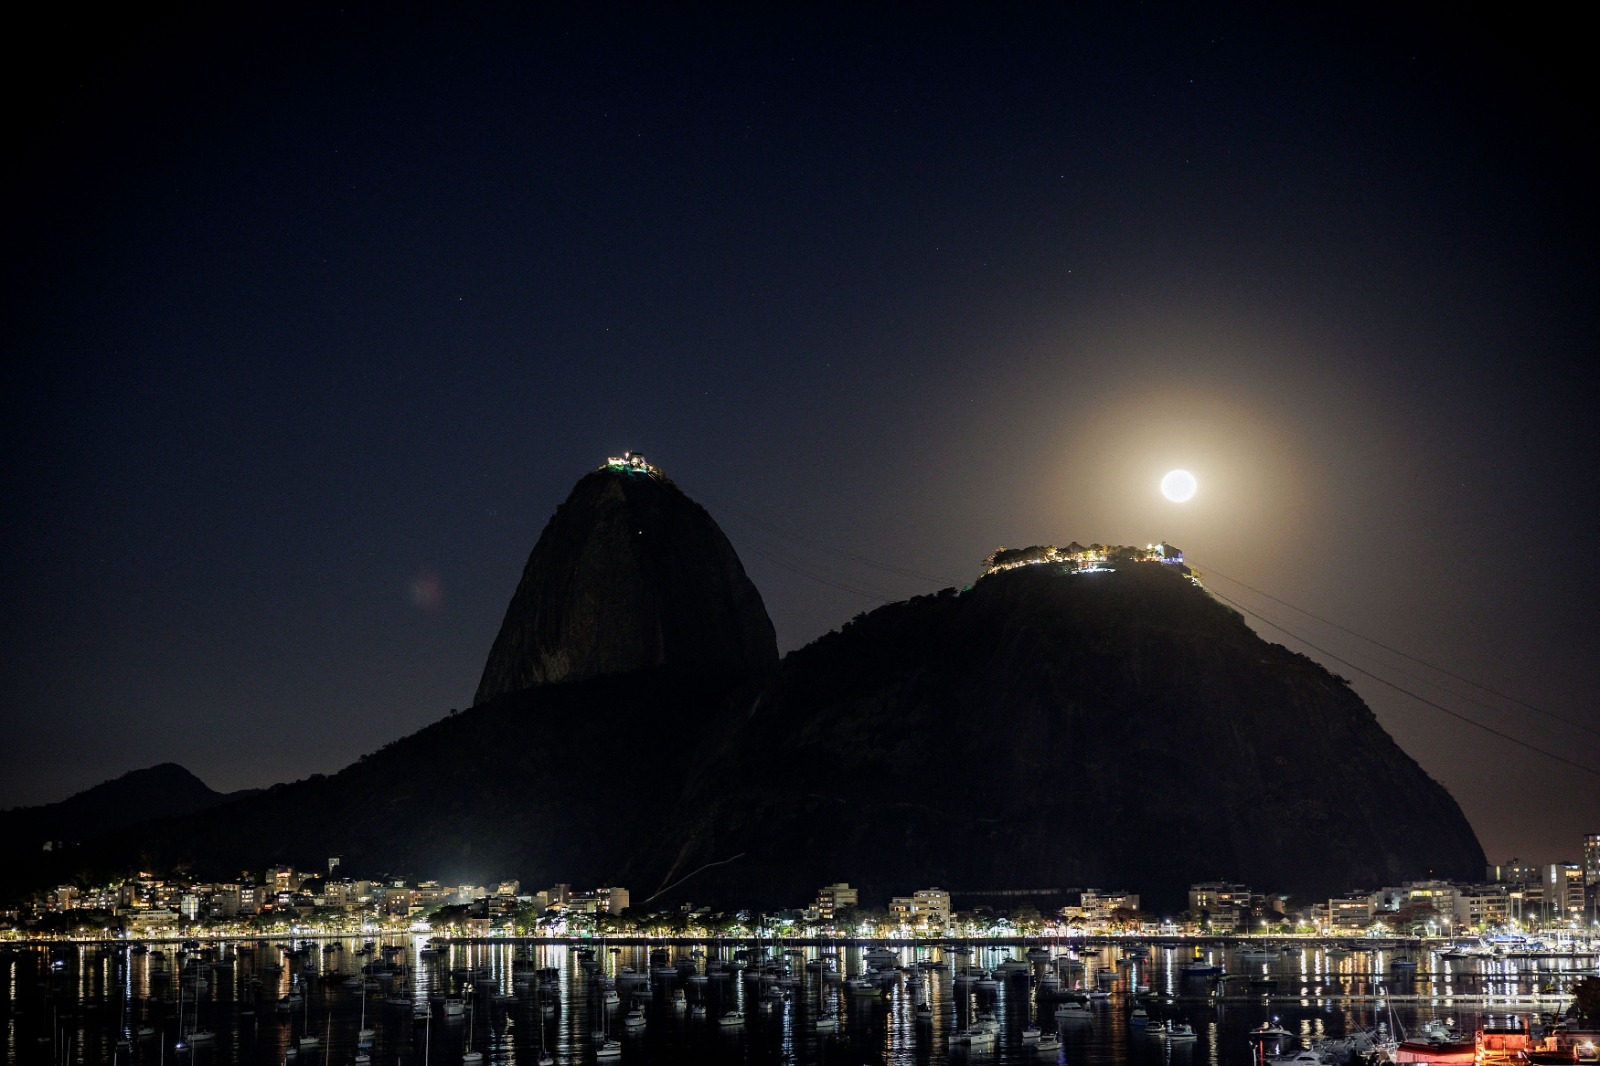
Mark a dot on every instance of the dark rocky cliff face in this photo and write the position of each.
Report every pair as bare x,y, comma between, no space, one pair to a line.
628,574
1050,730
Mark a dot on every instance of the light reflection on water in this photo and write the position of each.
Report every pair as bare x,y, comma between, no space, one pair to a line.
92,1006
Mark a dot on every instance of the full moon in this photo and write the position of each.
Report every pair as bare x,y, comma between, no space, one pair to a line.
1178,485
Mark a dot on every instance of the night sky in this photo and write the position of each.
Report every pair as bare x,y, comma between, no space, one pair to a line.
313,316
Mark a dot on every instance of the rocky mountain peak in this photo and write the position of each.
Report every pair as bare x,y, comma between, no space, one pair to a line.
629,573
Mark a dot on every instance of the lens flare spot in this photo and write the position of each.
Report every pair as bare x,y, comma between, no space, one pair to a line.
427,592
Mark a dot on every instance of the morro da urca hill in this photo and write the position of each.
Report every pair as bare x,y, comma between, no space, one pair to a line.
629,573
1049,729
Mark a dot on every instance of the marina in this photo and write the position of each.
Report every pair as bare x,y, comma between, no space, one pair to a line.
408,1000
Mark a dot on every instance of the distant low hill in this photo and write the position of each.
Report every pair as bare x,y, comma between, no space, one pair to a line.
164,791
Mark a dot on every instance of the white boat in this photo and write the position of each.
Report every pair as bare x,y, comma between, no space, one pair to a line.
363,1034
731,1018
608,1049
1180,1031
826,1022
470,1057
1048,1042
633,1019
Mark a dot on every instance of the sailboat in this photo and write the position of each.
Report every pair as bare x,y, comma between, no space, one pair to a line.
1391,1033
545,1058
1030,1030
308,1041
827,1020
607,1048
470,1057
363,1035
186,1041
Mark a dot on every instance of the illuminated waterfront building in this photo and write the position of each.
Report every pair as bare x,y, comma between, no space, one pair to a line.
1350,913
1563,892
1482,907
1220,903
831,899
926,911
605,900
1099,906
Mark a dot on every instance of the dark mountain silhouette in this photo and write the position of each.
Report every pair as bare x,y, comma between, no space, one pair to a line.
629,573
163,791
158,792
1047,729
1042,729
553,783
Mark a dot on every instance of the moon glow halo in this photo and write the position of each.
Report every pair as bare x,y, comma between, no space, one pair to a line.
1178,485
